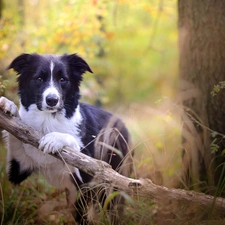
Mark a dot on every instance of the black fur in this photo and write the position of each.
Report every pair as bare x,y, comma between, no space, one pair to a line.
16,176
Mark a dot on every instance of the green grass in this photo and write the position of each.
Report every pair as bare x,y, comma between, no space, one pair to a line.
14,209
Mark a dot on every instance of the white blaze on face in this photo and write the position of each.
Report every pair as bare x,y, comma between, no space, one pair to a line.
52,65
51,96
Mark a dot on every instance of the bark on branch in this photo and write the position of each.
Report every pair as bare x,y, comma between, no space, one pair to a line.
104,174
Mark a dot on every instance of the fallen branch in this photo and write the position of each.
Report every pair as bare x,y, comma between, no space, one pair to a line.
104,174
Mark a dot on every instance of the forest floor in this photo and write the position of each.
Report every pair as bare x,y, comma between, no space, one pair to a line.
143,212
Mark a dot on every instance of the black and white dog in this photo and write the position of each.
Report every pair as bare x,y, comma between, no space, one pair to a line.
48,88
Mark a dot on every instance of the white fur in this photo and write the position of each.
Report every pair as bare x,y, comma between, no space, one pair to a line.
58,132
47,122
8,106
52,65
51,90
54,142
55,128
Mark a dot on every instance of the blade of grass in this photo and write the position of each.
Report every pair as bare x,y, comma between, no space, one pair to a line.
3,205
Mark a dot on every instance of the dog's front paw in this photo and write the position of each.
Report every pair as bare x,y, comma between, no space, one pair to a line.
8,106
55,141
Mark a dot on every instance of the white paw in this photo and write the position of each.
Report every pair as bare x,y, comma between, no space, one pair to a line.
8,106
55,141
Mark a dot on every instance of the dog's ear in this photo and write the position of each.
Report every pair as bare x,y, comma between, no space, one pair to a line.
20,63
76,64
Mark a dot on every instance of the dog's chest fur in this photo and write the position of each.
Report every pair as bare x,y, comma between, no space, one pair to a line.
46,123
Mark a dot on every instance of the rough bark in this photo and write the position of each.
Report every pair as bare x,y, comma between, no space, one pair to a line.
105,175
202,65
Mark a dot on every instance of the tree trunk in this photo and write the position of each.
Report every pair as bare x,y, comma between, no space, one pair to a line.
202,65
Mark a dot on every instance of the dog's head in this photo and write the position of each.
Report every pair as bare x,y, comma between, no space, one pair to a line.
49,81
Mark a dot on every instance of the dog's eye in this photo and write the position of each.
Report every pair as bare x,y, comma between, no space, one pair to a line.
62,80
39,79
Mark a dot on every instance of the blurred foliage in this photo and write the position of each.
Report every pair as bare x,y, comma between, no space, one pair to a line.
217,88
131,46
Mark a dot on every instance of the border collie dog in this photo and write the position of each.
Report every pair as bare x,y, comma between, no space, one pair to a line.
48,89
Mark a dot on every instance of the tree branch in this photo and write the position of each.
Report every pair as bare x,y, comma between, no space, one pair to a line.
103,173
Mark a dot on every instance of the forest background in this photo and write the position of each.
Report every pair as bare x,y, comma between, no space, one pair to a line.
132,48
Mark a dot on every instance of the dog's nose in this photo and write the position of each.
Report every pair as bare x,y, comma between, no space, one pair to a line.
52,100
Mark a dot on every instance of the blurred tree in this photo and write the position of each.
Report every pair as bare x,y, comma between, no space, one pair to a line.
202,66
21,11
115,37
1,6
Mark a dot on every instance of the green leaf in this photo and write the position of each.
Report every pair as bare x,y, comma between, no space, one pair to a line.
214,147
213,134
114,194
223,152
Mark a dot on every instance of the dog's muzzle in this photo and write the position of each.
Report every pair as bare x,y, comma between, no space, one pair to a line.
52,100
